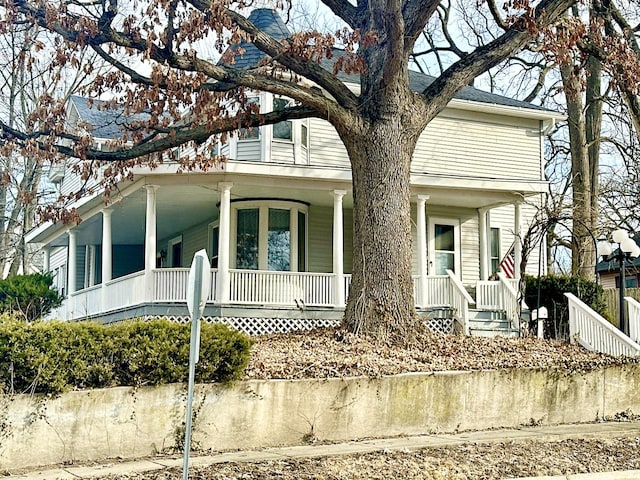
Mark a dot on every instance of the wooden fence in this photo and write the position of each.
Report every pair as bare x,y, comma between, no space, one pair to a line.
612,300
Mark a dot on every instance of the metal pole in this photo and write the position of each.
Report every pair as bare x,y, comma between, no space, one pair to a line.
193,359
623,321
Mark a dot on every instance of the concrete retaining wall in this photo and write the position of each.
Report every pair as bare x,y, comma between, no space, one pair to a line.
126,422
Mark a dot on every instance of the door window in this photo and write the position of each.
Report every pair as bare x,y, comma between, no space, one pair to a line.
444,246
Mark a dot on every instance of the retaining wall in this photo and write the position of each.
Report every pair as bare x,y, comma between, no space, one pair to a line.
127,422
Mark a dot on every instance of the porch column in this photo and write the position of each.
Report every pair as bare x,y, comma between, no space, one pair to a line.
150,241
106,254
338,248
46,259
223,282
484,250
71,266
422,248
517,249
106,245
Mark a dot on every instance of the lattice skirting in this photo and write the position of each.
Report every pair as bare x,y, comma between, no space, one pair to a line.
262,326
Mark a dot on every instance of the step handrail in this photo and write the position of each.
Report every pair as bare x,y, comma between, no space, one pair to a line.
593,332
460,300
510,301
634,318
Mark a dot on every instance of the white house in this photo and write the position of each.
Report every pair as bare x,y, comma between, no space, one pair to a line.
276,220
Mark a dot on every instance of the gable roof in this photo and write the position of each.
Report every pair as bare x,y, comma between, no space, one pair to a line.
270,22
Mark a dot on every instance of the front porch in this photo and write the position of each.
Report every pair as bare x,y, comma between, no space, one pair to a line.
270,301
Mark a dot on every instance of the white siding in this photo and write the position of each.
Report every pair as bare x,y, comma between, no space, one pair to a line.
320,241
57,257
325,146
282,152
480,146
503,218
194,239
249,150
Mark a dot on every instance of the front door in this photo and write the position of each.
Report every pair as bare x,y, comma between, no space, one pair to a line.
444,246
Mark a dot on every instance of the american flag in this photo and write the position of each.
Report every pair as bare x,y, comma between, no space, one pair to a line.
507,265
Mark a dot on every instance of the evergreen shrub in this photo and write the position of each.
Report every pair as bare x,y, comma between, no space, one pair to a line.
28,296
53,357
552,290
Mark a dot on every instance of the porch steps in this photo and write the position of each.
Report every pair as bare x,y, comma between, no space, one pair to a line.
490,323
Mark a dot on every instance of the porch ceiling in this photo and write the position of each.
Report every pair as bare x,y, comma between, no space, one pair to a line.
187,200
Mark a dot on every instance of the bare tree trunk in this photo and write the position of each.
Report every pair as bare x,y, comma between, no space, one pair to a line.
583,253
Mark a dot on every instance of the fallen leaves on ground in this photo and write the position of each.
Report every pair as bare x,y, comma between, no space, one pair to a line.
327,353
486,461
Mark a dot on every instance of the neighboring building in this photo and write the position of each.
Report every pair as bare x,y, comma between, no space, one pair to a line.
608,271
276,219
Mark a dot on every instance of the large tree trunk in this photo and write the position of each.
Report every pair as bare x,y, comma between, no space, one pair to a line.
381,299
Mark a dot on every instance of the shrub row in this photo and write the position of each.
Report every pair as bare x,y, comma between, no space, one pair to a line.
52,357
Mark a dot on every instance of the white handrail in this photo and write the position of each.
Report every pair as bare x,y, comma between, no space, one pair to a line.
634,318
510,300
593,332
460,300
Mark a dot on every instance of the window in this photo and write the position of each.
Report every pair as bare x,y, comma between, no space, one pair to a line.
279,240
270,235
304,135
494,249
282,130
175,252
630,281
252,133
247,239
214,238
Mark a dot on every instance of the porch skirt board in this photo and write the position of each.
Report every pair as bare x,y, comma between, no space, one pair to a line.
261,320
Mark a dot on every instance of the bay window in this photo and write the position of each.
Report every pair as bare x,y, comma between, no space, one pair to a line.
269,235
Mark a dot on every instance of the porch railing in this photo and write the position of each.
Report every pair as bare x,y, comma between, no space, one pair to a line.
634,318
437,291
281,288
593,332
125,291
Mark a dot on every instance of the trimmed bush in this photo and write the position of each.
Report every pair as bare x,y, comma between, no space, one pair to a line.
52,357
28,296
552,289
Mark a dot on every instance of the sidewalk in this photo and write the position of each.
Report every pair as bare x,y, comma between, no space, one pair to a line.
546,433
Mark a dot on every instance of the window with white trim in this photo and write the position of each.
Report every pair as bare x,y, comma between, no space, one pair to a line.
269,235
282,130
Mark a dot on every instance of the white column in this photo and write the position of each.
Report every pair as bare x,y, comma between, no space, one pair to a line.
517,251
338,248
107,255
223,283
150,241
484,244
46,259
422,247
71,266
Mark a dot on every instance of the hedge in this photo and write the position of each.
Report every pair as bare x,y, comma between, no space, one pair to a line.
53,357
552,289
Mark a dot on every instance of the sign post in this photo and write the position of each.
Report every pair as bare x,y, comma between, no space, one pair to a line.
197,293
